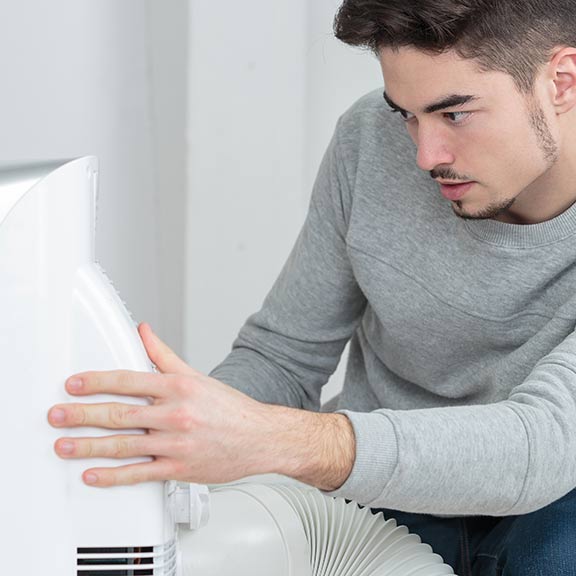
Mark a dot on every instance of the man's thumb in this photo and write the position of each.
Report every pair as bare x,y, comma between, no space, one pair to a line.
165,359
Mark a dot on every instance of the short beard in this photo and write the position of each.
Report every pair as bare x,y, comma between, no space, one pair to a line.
546,144
488,213
542,130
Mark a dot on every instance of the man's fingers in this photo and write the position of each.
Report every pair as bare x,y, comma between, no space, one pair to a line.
165,359
119,446
120,382
157,470
112,415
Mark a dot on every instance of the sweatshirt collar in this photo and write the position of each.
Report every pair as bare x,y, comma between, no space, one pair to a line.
524,235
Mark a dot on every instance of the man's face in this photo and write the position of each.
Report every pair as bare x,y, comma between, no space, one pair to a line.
473,128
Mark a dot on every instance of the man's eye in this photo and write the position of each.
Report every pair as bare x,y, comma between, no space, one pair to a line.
457,117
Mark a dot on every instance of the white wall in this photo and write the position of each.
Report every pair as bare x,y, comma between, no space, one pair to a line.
78,77
267,83
167,54
247,89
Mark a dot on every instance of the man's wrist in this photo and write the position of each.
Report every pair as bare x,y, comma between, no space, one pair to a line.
314,448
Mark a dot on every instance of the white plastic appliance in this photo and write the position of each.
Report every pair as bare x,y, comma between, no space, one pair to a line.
59,314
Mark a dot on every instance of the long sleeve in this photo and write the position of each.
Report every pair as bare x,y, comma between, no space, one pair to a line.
507,458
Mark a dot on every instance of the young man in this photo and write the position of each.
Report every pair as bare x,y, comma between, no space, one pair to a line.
443,247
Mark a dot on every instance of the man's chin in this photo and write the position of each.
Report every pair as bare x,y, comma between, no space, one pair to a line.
484,213
464,215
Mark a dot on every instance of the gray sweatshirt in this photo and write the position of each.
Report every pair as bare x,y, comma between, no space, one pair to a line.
461,378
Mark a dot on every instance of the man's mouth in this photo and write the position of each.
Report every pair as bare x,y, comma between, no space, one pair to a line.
454,191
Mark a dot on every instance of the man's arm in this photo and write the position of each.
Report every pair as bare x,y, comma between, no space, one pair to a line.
512,457
199,430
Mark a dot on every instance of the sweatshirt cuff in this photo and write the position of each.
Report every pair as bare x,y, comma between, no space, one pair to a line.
376,457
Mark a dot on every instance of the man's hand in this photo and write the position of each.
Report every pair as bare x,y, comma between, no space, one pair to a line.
199,429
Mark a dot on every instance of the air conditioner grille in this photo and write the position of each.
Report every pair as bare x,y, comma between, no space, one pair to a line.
127,561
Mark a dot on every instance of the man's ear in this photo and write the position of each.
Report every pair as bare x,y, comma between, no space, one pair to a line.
563,71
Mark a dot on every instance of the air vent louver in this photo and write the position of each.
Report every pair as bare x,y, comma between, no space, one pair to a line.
128,561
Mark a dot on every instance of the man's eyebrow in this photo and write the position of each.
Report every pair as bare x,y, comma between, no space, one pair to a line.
442,104
391,103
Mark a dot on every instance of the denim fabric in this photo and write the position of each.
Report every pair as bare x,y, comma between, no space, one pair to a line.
542,543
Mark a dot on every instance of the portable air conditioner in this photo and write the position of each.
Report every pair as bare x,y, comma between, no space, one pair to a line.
59,314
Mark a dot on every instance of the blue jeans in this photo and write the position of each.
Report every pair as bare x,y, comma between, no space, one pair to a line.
542,543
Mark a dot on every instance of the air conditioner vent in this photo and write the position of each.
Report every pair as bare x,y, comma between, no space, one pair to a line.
127,561
143,550
123,561
147,572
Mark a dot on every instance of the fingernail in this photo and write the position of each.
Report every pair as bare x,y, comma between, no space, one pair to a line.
90,478
74,384
66,447
57,416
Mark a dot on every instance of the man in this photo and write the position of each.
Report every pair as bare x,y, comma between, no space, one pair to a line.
444,249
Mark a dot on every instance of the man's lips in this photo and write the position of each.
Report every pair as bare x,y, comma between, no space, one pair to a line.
454,190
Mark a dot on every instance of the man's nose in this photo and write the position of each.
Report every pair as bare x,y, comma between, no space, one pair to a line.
433,149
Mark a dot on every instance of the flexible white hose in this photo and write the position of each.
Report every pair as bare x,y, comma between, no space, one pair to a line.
283,530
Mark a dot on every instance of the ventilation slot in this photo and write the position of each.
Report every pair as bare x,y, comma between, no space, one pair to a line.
129,561
145,550
147,572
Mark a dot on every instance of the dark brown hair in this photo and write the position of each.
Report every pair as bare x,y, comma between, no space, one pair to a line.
512,36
